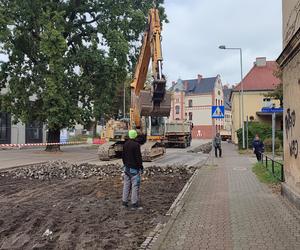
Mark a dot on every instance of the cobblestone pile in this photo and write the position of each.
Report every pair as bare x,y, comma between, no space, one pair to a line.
204,148
63,170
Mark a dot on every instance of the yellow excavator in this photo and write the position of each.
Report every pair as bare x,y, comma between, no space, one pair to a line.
150,107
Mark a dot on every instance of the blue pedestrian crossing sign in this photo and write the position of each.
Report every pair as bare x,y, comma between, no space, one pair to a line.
217,112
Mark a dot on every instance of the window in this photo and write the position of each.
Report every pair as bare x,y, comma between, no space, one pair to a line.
177,100
190,103
177,109
190,116
216,101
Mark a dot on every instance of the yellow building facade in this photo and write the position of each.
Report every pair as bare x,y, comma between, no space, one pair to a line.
256,85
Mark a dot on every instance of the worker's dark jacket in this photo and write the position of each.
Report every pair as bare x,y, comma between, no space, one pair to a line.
132,157
258,146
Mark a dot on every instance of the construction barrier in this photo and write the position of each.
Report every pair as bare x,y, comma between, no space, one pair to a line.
98,141
40,144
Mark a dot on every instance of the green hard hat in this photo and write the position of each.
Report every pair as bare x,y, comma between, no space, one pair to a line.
132,134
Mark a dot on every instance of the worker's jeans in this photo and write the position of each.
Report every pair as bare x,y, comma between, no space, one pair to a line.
258,156
132,182
216,151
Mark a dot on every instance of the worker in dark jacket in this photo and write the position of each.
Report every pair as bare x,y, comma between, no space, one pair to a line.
258,147
217,145
133,168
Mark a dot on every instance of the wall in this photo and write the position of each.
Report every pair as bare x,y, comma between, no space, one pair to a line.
227,128
218,101
177,100
291,19
200,109
253,102
291,91
18,133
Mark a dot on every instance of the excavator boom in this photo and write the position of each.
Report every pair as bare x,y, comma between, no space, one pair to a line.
156,101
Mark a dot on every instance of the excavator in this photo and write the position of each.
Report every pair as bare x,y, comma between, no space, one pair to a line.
149,107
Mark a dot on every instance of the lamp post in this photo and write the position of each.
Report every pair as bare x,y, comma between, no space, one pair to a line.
241,96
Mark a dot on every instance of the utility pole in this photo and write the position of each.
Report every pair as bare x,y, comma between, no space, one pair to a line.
241,93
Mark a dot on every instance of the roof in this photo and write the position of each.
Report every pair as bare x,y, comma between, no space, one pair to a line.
227,93
260,78
194,86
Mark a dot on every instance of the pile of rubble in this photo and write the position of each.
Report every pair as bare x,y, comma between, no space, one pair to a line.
63,170
204,148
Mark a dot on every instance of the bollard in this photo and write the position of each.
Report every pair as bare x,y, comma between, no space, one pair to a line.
282,173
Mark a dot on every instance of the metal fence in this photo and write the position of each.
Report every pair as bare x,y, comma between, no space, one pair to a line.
274,167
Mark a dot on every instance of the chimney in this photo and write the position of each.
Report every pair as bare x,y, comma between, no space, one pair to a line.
261,62
199,78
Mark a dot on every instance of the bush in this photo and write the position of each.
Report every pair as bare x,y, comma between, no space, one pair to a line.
264,131
268,144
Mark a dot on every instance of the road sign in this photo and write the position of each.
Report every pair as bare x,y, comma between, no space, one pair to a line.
217,112
272,110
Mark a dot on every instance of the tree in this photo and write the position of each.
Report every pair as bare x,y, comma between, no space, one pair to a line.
278,92
65,57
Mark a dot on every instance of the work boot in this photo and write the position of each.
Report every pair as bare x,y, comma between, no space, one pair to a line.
136,206
124,203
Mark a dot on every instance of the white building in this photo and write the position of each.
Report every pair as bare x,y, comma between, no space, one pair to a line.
193,100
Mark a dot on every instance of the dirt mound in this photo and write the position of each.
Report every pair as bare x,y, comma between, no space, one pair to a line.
79,206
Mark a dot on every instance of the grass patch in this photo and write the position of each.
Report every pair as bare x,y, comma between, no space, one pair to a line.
263,174
245,151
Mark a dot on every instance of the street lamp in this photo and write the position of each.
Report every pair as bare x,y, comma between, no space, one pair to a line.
241,99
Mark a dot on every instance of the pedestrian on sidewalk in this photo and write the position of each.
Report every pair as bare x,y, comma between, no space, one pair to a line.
217,145
133,168
258,147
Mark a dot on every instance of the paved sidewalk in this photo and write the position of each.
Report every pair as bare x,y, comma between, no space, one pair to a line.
226,207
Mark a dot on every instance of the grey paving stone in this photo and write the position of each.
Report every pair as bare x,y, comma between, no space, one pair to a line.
226,207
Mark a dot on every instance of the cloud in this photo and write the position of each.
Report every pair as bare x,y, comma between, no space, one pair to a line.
197,28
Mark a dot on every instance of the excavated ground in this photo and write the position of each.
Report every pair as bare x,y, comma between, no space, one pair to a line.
65,206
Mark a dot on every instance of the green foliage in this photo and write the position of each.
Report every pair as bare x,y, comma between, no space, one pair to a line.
278,92
264,131
263,174
67,59
268,144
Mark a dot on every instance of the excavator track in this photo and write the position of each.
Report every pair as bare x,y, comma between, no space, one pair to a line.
107,151
151,150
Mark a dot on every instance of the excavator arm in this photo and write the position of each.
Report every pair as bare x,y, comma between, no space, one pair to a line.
154,102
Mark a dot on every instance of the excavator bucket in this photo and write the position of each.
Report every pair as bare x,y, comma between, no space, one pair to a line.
150,108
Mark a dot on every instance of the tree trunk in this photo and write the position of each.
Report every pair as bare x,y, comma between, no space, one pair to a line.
53,137
95,129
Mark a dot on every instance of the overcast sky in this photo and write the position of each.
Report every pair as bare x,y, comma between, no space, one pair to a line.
198,27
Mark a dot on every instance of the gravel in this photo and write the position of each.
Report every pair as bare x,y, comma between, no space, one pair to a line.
62,170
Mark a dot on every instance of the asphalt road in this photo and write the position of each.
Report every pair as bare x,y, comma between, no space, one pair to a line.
88,154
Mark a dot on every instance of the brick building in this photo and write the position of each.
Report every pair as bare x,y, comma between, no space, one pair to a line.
192,100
